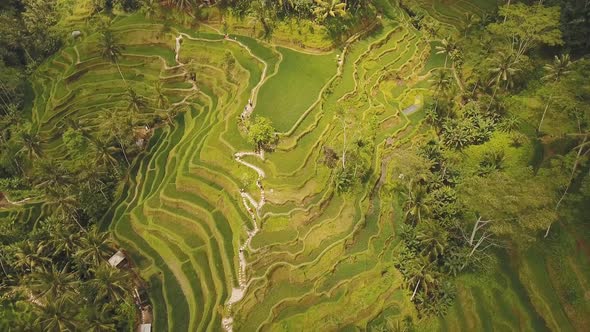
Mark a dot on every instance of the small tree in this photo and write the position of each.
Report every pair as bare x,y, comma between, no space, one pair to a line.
330,157
261,133
329,8
555,72
110,50
526,27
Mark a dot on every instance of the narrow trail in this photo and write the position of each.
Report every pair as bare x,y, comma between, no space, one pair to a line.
249,202
22,201
252,206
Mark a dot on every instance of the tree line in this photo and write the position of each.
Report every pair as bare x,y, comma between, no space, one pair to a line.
53,260
508,155
509,92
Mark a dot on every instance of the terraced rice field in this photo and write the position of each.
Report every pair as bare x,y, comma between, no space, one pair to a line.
184,218
452,13
288,253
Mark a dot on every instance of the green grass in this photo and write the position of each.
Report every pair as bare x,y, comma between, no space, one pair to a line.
321,260
287,95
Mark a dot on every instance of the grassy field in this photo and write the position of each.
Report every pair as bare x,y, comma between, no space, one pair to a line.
321,261
288,94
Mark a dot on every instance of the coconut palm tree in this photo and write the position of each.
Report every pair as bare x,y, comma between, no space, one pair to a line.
95,247
117,126
105,154
31,144
584,145
503,70
110,283
136,101
97,319
471,20
558,69
419,275
554,73
441,82
49,175
183,5
77,124
447,48
64,204
110,49
329,8
52,282
149,8
442,85
62,236
57,314
30,256
161,99
415,205
433,238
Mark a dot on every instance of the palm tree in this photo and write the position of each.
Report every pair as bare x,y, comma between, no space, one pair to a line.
77,124
433,238
110,50
161,99
442,85
95,247
585,144
52,282
332,8
64,204
415,204
447,48
265,15
62,236
555,72
183,5
136,101
471,20
97,319
50,175
441,82
58,314
30,256
504,69
31,144
105,154
149,8
110,283
456,62
117,126
419,275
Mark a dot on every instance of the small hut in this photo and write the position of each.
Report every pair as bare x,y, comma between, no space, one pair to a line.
117,258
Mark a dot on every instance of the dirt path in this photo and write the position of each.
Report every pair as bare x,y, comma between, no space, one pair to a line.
253,209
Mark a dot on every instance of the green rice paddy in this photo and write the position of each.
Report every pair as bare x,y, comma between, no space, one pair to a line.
321,261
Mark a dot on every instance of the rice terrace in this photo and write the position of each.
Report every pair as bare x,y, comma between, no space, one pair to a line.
294,165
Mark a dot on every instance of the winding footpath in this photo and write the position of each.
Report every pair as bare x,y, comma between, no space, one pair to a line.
249,202
252,206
